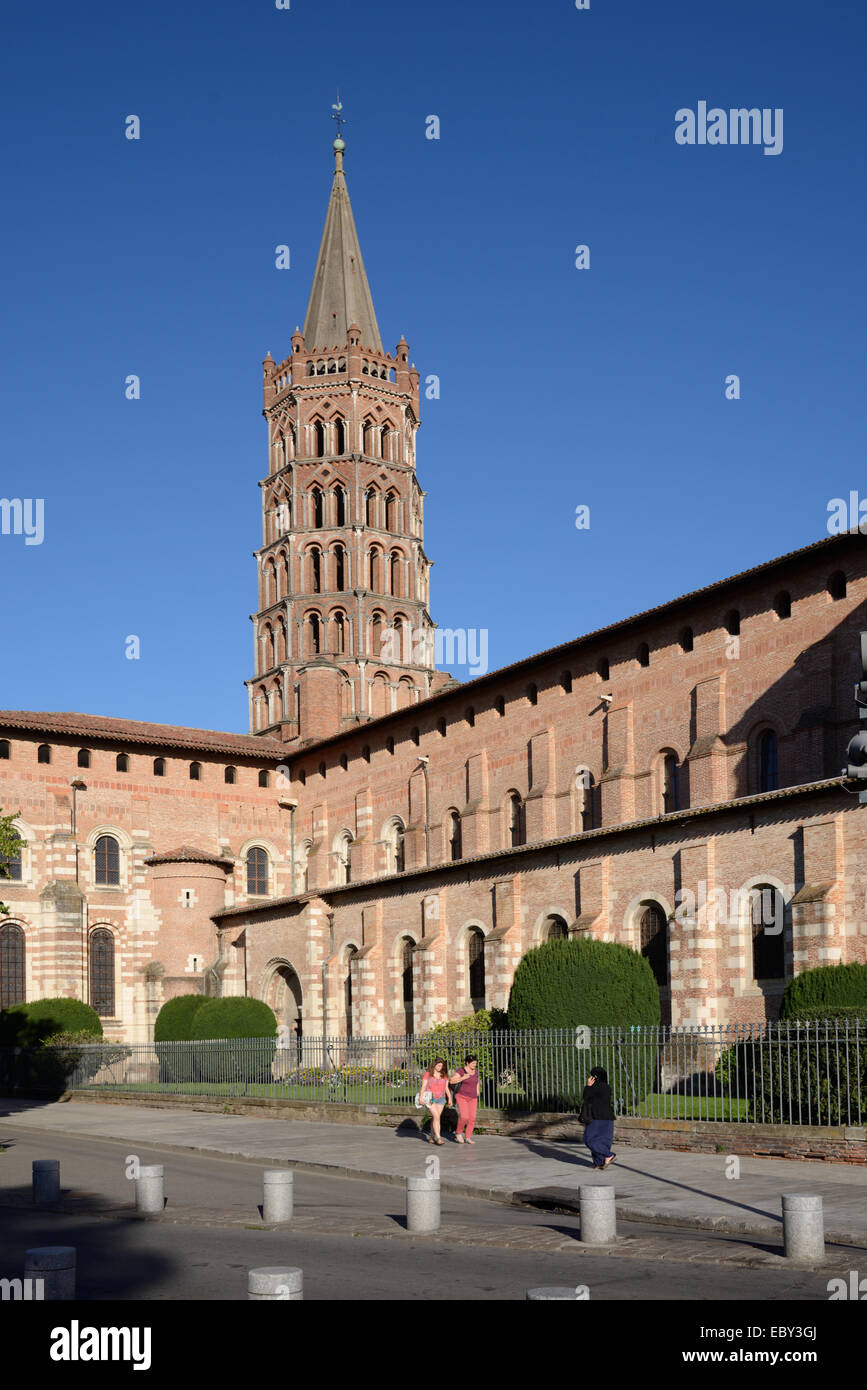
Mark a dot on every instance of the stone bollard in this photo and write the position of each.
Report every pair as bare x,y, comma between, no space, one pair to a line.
55,1266
276,1283
46,1180
277,1202
598,1215
803,1227
422,1205
150,1188
553,1291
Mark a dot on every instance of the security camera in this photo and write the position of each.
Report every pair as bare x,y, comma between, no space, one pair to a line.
607,697
423,758
78,783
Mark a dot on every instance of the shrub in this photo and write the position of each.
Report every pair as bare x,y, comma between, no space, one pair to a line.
806,1073
28,1025
85,1053
175,1019
238,1018
825,987
600,984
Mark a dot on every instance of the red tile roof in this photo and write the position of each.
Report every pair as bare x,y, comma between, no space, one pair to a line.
98,726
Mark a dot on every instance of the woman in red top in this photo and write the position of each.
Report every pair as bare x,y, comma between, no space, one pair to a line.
467,1077
434,1092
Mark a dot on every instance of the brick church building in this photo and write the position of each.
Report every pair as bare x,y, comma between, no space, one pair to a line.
383,846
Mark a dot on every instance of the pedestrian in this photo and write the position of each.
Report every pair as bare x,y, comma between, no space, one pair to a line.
597,1116
466,1078
434,1092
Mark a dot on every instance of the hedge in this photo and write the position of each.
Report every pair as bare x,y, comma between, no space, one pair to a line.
600,984
28,1025
174,1022
826,986
236,1017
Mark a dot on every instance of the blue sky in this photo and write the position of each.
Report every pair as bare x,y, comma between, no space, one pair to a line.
559,387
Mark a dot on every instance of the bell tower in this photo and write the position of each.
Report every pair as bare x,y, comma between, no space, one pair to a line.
343,633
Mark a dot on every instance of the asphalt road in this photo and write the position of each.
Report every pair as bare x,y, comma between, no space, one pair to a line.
207,1254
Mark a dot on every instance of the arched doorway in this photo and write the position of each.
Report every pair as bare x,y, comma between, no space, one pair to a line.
285,997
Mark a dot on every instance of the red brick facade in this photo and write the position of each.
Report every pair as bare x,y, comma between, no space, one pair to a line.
383,847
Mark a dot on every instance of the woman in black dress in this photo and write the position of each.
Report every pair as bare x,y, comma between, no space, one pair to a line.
597,1115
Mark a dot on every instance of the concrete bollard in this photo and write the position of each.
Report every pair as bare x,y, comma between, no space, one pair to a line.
150,1188
55,1266
46,1180
277,1204
803,1227
598,1215
552,1291
422,1205
276,1283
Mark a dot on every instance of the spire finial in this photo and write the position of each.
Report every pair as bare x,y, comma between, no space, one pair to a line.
339,145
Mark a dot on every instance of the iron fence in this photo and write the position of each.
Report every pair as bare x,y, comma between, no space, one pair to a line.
780,1073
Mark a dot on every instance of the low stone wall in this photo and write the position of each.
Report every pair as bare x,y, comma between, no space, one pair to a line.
832,1143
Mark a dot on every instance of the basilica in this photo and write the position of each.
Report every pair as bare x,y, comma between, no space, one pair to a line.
380,849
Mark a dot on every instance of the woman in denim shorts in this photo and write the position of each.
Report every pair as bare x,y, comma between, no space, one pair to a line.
435,1093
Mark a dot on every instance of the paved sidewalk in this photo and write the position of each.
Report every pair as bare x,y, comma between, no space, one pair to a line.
650,1184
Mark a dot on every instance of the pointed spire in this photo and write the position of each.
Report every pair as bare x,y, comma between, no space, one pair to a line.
340,294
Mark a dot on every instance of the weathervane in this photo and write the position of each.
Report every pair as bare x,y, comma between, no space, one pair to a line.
341,120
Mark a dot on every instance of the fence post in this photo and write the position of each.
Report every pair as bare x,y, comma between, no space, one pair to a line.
803,1227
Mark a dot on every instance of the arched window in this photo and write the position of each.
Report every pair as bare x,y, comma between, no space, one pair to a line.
43,754
159,767
555,929
84,757
642,656
121,763
340,440
195,772
370,507
340,568
314,636
586,794
394,574
340,505
603,668
837,585
670,779
318,508
532,694
101,971
687,639
455,836
391,512
339,634
264,778
257,872
350,955
230,776
476,968
654,941
12,965
769,778
316,571
318,442
517,822
406,957
783,604
342,858
566,682
106,862
442,728
767,920
374,570
397,847
733,622
4,748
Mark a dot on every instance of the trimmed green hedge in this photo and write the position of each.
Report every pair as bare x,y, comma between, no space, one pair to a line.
562,984
824,987
28,1025
174,1022
236,1017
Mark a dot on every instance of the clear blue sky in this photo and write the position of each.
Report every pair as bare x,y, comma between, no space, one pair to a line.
559,386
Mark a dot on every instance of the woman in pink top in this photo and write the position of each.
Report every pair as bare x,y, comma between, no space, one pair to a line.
467,1077
434,1092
